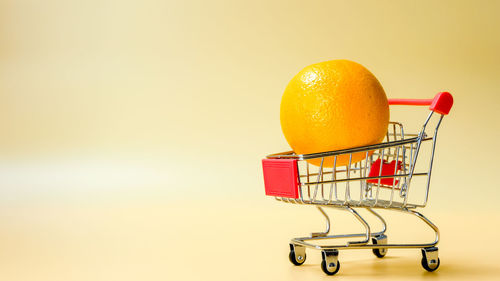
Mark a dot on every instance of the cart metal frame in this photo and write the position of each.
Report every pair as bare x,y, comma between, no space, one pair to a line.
291,179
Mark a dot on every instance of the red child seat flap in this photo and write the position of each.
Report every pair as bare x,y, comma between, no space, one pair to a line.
388,169
281,177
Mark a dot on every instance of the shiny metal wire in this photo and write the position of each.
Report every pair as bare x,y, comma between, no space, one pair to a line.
334,187
323,185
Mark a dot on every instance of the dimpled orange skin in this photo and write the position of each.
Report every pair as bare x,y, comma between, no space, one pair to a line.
334,105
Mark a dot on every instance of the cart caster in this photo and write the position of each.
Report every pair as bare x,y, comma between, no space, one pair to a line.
430,259
330,264
380,240
297,254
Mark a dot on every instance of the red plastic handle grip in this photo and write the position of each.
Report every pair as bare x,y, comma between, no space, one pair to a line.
441,103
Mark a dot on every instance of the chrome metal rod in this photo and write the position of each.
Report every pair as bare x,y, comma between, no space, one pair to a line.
292,155
426,220
432,160
336,236
377,215
301,241
325,233
359,246
363,178
365,224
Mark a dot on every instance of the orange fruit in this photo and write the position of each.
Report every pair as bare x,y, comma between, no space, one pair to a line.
334,105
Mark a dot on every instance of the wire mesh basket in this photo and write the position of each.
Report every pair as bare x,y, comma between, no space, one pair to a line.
388,176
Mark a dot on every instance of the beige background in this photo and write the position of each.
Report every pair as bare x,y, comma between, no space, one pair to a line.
131,134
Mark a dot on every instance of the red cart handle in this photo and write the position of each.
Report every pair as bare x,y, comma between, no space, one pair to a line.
441,103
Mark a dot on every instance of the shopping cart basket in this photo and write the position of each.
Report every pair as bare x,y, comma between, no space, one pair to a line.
381,180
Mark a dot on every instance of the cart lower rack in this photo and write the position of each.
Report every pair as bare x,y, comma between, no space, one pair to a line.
382,180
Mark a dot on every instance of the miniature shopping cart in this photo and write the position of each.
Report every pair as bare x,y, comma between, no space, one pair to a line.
382,180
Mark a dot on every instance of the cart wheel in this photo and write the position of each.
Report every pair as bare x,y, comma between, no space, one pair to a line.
380,240
380,253
430,260
297,254
330,264
297,260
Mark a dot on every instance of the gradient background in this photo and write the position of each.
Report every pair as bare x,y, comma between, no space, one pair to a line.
132,133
